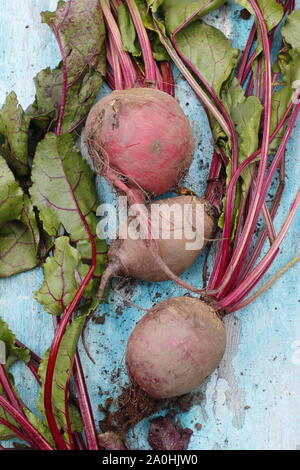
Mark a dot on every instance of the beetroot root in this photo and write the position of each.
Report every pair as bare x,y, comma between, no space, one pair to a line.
140,137
175,347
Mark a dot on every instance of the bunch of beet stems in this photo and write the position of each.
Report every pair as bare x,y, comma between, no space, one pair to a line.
14,407
234,274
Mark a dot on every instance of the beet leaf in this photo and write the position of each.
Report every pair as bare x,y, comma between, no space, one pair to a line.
182,11
13,352
62,180
65,94
19,240
271,10
14,127
11,195
40,425
130,40
290,30
64,185
220,58
154,4
83,46
63,274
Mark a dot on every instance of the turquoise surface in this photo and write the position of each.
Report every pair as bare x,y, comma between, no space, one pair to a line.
252,400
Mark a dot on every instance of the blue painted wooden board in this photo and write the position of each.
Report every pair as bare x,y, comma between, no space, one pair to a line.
252,401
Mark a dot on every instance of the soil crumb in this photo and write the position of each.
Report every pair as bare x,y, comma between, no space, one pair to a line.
107,423
119,311
100,320
245,14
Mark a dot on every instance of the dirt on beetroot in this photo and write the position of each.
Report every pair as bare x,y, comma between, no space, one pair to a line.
133,405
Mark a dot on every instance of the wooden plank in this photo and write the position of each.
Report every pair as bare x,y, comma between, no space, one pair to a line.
252,401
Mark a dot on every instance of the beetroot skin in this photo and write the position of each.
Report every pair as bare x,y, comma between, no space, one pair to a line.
134,258
175,347
137,258
143,135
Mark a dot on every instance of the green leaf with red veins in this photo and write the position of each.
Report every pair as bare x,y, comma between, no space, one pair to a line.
128,33
11,195
83,46
79,99
288,64
84,246
232,94
62,370
14,128
13,352
154,4
129,36
28,218
63,183
48,86
19,242
280,102
85,60
220,58
246,117
63,274
271,10
176,13
17,249
15,206
40,425
290,30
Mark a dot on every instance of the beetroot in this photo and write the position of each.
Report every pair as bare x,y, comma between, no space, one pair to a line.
167,256
175,347
140,138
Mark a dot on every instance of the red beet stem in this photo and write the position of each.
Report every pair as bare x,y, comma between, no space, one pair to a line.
30,430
